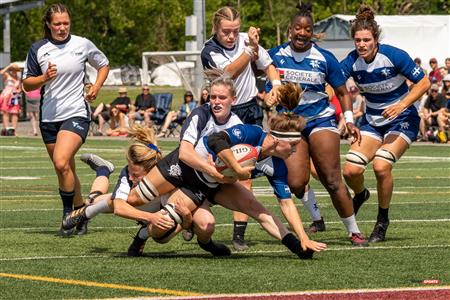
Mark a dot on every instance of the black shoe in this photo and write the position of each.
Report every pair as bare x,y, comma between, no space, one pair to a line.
379,232
187,234
82,228
75,218
95,161
3,133
239,244
216,249
137,246
359,199
316,226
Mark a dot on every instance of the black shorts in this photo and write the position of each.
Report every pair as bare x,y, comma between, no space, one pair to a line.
78,125
249,113
185,178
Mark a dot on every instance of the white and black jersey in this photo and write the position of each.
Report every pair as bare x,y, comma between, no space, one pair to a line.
124,186
63,96
214,55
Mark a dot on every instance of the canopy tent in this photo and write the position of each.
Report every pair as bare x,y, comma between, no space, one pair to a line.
423,36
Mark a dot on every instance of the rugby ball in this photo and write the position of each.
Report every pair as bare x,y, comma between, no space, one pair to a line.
245,154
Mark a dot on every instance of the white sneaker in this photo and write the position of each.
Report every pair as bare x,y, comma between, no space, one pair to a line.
95,161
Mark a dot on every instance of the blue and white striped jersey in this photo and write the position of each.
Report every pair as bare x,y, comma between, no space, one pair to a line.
383,80
311,70
214,55
63,96
272,167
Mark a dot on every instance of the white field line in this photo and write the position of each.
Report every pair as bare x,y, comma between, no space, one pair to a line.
228,224
19,178
322,205
248,252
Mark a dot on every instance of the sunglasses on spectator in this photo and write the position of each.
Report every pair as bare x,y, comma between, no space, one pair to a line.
434,91
146,89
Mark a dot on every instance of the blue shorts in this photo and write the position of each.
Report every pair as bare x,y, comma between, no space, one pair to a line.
249,113
78,125
328,123
405,125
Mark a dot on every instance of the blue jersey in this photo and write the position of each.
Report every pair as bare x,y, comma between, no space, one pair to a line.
273,168
311,70
382,81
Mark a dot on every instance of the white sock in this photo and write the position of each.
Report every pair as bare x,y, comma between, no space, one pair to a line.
309,202
350,224
98,207
143,233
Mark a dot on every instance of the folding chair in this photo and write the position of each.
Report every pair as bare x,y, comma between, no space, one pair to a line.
163,105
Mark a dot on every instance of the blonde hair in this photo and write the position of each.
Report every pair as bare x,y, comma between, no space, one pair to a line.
143,150
227,13
219,77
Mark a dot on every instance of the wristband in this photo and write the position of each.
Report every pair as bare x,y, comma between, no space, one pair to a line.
249,51
276,82
348,115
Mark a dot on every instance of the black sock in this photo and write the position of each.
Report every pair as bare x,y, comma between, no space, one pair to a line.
239,230
102,171
383,214
67,200
293,244
215,249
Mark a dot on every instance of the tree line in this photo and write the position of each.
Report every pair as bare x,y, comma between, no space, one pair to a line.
125,29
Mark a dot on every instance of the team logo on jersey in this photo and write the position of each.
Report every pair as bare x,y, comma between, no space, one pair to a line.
46,54
237,133
281,72
286,189
314,63
282,61
200,196
385,72
77,125
175,170
404,125
416,71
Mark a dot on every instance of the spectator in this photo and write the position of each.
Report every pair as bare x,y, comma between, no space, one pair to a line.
443,71
118,125
447,64
433,112
435,76
10,99
204,97
145,105
181,115
102,112
33,99
358,105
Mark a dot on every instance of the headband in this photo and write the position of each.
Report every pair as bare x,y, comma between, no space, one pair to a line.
153,147
288,136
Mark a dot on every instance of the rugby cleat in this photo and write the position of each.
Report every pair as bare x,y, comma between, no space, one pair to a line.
137,246
358,240
187,234
94,161
316,226
239,244
216,249
81,228
75,218
379,232
359,199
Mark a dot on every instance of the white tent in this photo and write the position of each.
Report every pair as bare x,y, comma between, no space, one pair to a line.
423,36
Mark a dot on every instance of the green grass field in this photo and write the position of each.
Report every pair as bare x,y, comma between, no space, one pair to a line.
37,264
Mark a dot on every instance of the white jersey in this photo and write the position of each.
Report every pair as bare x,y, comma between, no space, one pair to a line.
63,96
214,55
201,123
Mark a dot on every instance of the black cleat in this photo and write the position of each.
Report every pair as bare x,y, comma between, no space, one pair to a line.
239,244
187,234
82,228
316,226
137,246
65,232
379,232
216,249
75,218
95,161
359,199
